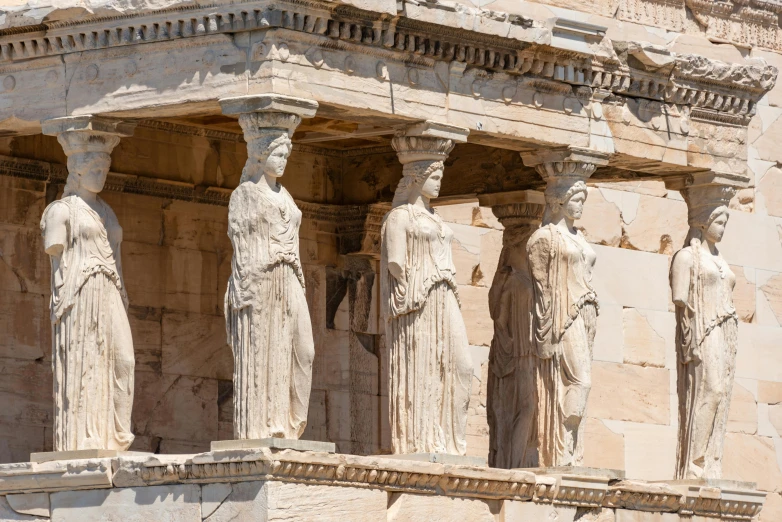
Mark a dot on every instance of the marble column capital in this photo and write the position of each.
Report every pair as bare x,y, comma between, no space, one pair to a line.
573,163
427,141
90,133
262,114
518,208
705,192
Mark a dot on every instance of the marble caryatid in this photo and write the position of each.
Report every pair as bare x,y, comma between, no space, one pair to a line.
511,398
706,333
430,369
267,319
564,309
92,347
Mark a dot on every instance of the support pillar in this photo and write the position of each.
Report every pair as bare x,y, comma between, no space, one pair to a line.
563,313
93,359
706,324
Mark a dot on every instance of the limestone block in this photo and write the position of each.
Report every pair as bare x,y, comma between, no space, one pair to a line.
212,495
477,425
475,311
767,145
650,451
751,458
21,201
648,187
770,392
616,278
23,268
145,326
743,416
196,226
772,508
601,221
270,501
24,318
26,392
317,420
17,441
7,514
176,503
36,504
514,511
631,393
610,335
775,417
642,344
466,250
143,269
176,407
660,225
759,356
626,515
195,345
744,293
191,280
752,240
406,507
140,216
491,246
603,448
772,290
331,368
460,213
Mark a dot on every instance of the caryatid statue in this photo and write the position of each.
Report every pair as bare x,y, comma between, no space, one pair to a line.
511,401
430,368
706,326
93,359
564,308
267,319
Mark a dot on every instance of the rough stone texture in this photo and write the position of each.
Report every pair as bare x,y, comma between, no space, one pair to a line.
642,344
630,393
659,225
752,458
743,416
772,290
525,511
404,507
603,447
7,514
179,503
601,222
269,501
744,293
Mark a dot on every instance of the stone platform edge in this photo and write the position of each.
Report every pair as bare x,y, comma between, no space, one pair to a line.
377,472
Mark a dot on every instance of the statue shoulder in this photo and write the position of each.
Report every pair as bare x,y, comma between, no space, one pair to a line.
56,213
397,217
541,237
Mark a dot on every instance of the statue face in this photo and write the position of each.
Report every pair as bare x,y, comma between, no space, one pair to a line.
92,168
275,163
574,207
717,228
431,187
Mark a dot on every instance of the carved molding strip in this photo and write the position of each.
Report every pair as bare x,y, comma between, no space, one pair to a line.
694,80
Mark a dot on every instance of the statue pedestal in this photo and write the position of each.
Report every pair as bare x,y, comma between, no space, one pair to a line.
274,443
441,458
49,456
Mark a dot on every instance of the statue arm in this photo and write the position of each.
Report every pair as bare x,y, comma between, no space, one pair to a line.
55,229
541,260
681,268
396,244
55,238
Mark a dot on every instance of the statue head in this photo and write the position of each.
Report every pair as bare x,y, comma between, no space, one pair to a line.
707,212
565,196
88,160
419,178
268,136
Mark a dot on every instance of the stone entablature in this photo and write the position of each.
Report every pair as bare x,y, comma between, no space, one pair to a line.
565,72
568,489
753,23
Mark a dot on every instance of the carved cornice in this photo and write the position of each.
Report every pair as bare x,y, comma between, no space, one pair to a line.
31,477
411,41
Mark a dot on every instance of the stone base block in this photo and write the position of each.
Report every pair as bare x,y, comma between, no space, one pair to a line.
405,507
441,458
274,443
612,474
50,456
